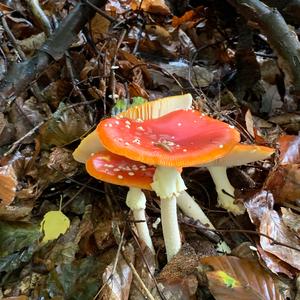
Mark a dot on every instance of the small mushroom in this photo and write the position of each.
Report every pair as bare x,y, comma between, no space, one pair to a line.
116,169
241,154
178,139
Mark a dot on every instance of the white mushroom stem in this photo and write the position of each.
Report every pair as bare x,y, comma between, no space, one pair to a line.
191,209
225,190
170,226
168,184
136,201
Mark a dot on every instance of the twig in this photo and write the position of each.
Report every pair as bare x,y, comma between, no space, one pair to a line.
22,74
112,79
76,194
20,140
34,129
114,267
135,237
275,242
137,276
281,38
39,16
100,11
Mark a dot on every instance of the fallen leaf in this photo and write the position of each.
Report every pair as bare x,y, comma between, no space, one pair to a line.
244,279
284,183
191,16
273,226
291,220
8,185
152,6
258,205
67,125
275,264
117,281
289,148
145,266
53,225
79,280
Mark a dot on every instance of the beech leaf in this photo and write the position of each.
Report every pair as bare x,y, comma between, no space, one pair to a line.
53,225
243,278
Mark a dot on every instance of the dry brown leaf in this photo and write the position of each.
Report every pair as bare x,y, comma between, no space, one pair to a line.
252,128
273,226
191,16
8,185
67,125
136,90
7,131
258,205
244,279
25,114
152,6
275,264
117,284
16,213
99,26
287,121
21,297
284,183
289,146
291,220
143,254
56,91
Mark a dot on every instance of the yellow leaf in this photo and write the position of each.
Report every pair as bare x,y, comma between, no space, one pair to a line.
53,225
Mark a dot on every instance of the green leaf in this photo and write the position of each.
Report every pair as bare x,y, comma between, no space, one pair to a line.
137,101
53,225
77,281
15,236
120,106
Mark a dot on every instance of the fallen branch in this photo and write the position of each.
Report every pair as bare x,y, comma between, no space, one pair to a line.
22,74
281,38
290,9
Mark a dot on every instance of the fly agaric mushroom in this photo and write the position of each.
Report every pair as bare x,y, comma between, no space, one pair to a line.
116,169
179,139
149,110
241,154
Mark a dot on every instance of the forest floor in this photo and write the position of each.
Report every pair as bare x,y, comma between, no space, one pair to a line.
65,65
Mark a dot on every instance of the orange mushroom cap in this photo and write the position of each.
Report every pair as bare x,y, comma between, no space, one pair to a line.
120,170
178,139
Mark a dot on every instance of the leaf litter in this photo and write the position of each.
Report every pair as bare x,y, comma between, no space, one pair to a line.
129,53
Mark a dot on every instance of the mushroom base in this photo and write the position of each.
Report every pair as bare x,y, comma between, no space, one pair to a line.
191,209
225,190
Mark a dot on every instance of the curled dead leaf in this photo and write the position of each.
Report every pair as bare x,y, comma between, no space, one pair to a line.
152,6
291,220
275,264
289,147
243,278
273,226
8,185
284,183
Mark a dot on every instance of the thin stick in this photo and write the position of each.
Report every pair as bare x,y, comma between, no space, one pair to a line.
137,276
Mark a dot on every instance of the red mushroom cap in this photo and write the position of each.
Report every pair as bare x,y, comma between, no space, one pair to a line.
178,139
120,170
